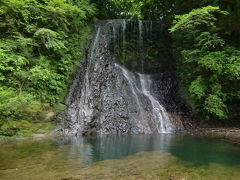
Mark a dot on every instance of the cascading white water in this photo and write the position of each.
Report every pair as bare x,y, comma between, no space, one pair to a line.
141,48
160,118
114,37
140,26
86,111
163,123
93,49
132,82
124,25
107,98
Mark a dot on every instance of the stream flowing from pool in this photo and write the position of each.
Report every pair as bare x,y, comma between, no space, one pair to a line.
162,156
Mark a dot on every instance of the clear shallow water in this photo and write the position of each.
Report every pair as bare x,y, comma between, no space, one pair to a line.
120,157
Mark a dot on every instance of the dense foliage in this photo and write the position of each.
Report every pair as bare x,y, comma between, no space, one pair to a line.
209,69
41,42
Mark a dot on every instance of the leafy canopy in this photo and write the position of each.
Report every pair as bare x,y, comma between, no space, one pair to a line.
41,42
208,68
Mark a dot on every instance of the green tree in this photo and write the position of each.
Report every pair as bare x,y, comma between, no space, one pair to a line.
208,67
41,43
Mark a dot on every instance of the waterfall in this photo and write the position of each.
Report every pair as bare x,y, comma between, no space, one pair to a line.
163,122
141,48
87,81
134,89
114,38
109,97
124,24
132,82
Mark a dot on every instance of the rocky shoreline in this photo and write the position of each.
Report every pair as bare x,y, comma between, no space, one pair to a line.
228,134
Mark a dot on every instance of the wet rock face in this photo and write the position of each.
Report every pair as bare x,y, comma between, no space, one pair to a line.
166,90
103,100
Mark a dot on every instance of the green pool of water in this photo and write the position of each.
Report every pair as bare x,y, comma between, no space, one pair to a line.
119,157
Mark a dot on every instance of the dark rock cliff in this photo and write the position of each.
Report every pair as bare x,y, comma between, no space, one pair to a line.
106,98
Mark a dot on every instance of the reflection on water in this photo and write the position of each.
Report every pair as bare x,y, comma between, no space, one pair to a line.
91,157
92,149
198,151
